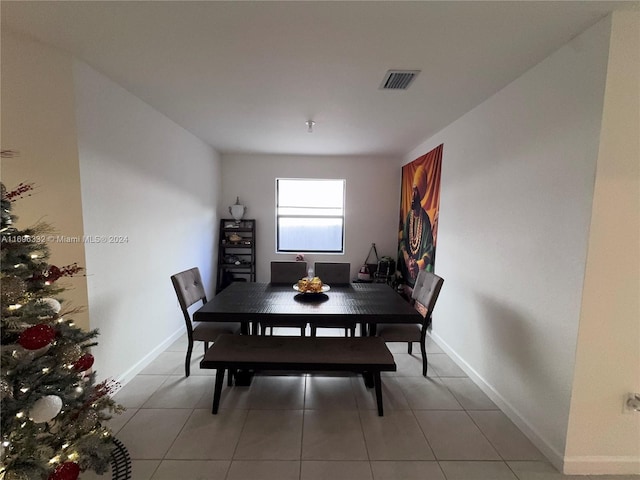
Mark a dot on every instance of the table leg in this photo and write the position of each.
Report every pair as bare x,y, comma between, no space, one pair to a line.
217,390
368,379
378,384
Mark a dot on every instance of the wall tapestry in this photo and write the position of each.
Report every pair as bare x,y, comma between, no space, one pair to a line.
419,206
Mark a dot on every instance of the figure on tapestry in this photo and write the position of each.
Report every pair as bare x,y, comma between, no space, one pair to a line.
420,203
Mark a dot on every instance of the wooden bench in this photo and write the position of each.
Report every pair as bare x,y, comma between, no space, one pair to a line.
367,355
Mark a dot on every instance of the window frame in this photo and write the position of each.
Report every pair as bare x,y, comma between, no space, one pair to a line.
341,217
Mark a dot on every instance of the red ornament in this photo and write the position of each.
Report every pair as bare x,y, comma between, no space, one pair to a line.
53,273
37,336
84,362
65,471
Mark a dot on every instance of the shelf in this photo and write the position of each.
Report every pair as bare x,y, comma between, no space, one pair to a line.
227,250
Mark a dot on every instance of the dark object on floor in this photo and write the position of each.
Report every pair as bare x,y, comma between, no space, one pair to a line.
120,462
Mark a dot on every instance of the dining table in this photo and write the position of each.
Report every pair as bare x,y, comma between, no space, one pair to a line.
367,304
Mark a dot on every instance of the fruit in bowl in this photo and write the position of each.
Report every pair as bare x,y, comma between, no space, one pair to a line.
310,285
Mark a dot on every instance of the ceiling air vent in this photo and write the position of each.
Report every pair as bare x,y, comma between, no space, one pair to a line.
398,79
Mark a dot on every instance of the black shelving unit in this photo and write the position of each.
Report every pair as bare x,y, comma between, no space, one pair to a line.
236,252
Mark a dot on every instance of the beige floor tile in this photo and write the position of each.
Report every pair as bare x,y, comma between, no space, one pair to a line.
407,365
335,435
231,397
119,420
191,470
277,392
477,471
165,364
143,469
264,470
392,396
510,442
392,470
427,394
329,393
453,436
395,436
614,477
401,347
271,435
196,358
327,470
444,366
180,345
432,346
179,392
209,437
398,347
468,394
150,432
539,471
138,390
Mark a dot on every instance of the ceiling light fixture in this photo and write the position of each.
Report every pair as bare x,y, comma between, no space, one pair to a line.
310,124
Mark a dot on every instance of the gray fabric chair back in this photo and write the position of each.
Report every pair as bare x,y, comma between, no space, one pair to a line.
426,290
189,288
288,272
333,273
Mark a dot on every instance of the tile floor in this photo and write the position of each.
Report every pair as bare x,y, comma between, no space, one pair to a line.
322,427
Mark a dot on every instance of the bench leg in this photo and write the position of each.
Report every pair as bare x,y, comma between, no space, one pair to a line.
378,385
217,390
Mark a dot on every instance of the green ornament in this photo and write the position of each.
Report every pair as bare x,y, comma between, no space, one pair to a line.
88,420
13,290
69,353
16,475
5,389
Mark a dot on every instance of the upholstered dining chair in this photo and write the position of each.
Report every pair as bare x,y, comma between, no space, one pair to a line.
285,273
425,294
334,273
190,290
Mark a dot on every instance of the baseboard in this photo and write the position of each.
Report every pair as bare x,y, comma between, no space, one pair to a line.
136,368
552,454
601,465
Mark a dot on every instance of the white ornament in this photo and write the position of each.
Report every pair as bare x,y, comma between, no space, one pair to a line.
45,408
53,303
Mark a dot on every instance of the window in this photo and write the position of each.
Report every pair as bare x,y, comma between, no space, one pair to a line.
309,215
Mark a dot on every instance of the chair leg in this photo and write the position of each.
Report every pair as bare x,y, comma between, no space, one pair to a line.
206,347
353,331
313,331
187,361
423,350
302,331
410,348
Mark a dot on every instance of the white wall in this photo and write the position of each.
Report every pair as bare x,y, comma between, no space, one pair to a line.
608,354
372,200
38,121
517,186
147,179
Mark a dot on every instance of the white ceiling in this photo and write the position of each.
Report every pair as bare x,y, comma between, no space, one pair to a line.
245,76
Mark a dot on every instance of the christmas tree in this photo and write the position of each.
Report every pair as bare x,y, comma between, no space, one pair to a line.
52,411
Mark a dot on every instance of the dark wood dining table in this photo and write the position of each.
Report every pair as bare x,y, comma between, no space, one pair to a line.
366,303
